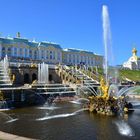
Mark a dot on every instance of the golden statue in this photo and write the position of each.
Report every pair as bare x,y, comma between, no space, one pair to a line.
34,82
13,77
33,65
1,96
104,88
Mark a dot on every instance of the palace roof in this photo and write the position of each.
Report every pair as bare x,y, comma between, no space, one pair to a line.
29,43
35,44
77,50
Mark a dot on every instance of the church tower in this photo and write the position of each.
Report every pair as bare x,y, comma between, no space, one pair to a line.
134,52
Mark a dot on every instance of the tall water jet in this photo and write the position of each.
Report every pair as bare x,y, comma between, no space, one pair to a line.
106,37
43,73
109,103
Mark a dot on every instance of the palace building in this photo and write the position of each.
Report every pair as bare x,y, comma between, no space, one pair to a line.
76,56
133,62
20,49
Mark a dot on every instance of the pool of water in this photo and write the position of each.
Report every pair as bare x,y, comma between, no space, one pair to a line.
66,121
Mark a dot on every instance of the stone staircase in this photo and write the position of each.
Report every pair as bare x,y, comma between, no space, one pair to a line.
54,89
79,79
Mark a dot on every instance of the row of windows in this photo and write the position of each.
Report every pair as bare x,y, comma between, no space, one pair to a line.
78,61
53,55
50,54
24,52
81,57
78,58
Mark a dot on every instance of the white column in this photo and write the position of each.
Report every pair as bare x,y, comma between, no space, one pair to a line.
12,51
33,56
18,52
23,52
45,54
94,61
0,51
28,52
60,61
90,61
85,59
56,53
39,53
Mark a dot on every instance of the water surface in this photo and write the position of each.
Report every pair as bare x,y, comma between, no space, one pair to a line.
66,121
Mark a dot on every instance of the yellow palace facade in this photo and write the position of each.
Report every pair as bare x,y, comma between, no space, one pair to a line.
20,49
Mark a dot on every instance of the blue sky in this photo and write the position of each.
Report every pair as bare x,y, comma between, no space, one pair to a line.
74,23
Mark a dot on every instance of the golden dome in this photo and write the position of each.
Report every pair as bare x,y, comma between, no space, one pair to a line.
134,51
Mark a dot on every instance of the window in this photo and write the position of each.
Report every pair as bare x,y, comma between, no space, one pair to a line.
20,52
30,53
50,56
47,54
73,58
88,60
35,54
26,52
58,55
70,56
3,51
15,51
9,51
42,54
3,48
53,54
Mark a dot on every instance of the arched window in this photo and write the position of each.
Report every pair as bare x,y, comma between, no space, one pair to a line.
3,51
50,54
30,53
42,54
9,51
53,54
26,52
20,52
35,54
50,77
26,78
34,77
58,55
15,51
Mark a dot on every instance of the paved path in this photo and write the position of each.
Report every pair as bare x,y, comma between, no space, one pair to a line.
7,136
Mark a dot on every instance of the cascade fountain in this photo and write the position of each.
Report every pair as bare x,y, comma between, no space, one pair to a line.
4,81
4,73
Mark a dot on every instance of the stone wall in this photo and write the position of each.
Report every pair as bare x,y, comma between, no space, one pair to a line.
54,77
26,75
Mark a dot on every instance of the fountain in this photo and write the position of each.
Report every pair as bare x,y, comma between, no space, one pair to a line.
4,72
112,100
43,73
106,37
5,81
